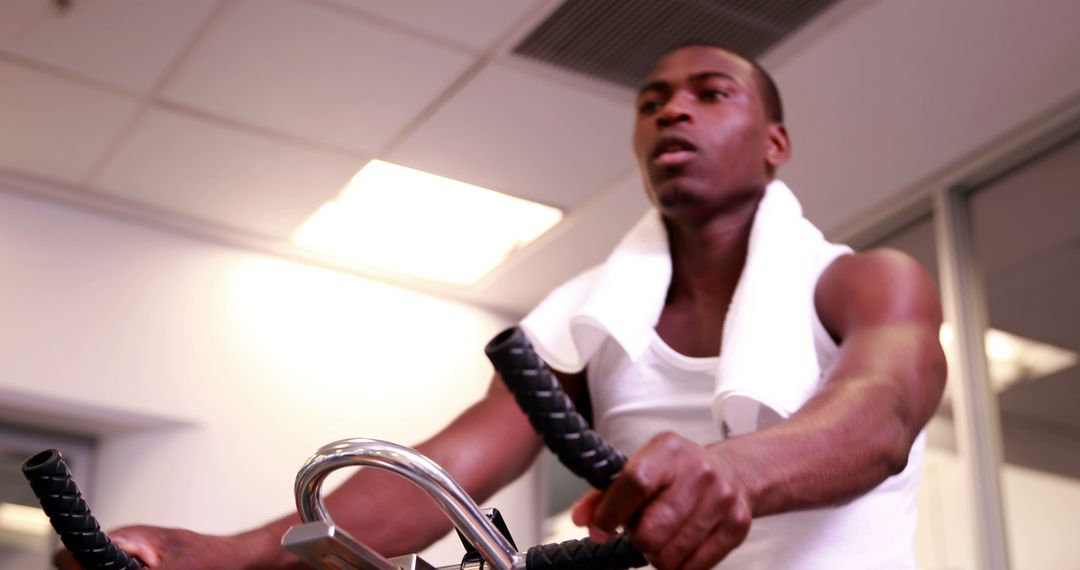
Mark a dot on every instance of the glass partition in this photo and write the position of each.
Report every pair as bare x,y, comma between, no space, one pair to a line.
1025,229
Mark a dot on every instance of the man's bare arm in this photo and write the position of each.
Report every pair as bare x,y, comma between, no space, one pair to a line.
485,448
687,505
881,391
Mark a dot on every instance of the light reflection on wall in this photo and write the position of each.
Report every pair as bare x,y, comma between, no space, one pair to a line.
377,352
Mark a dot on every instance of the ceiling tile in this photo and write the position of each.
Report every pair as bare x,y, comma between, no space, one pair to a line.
534,138
127,44
183,164
313,72
55,128
453,21
18,14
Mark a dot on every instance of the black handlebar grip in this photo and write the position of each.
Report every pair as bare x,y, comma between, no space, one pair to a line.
580,449
550,410
615,554
70,516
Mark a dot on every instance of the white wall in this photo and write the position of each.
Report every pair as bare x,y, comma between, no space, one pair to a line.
1041,513
212,373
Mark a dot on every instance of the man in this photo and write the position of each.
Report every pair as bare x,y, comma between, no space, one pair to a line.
708,139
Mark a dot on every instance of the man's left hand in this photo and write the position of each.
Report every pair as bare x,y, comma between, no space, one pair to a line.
682,504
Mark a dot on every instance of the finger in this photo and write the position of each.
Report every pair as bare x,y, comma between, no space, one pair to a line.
622,499
681,542
582,513
662,519
710,553
725,537
144,544
598,535
642,478
65,561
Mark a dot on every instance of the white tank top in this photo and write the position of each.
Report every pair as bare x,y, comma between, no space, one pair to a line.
668,391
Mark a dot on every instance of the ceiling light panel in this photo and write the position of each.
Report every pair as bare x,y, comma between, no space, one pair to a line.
393,218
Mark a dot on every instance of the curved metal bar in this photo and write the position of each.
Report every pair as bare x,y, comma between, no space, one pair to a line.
414,466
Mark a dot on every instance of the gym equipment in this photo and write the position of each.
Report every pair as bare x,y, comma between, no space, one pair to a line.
70,516
487,541
322,544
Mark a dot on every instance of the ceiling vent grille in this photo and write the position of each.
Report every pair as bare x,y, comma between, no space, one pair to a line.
619,40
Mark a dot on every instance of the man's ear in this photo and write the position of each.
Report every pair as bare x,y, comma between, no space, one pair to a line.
779,146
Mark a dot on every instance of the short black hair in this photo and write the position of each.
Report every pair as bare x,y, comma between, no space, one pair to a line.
770,94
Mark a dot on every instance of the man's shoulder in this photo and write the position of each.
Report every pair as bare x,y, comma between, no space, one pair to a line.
875,266
873,286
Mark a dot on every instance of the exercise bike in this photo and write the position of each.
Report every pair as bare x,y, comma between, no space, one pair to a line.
320,543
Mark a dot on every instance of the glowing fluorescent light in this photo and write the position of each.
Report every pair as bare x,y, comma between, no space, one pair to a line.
1013,358
1000,345
407,221
21,519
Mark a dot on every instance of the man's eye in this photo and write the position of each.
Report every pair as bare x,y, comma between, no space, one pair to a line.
649,107
713,95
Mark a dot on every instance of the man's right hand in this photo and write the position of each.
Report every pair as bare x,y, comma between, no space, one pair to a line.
177,549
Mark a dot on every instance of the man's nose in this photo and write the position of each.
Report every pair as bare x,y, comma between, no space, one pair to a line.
674,111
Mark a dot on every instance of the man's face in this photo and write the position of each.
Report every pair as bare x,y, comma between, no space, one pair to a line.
702,136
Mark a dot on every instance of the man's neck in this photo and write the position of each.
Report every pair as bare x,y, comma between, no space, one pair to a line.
707,260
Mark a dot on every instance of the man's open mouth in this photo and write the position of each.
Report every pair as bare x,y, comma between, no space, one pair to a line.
673,150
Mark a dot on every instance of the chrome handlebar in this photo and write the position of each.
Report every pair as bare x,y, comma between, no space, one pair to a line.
459,507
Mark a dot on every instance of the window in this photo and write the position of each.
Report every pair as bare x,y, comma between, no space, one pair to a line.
25,542
1025,231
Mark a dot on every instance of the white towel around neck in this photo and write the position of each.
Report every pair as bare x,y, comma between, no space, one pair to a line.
768,354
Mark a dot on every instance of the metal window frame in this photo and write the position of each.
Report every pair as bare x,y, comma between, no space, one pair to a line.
978,429
978,425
